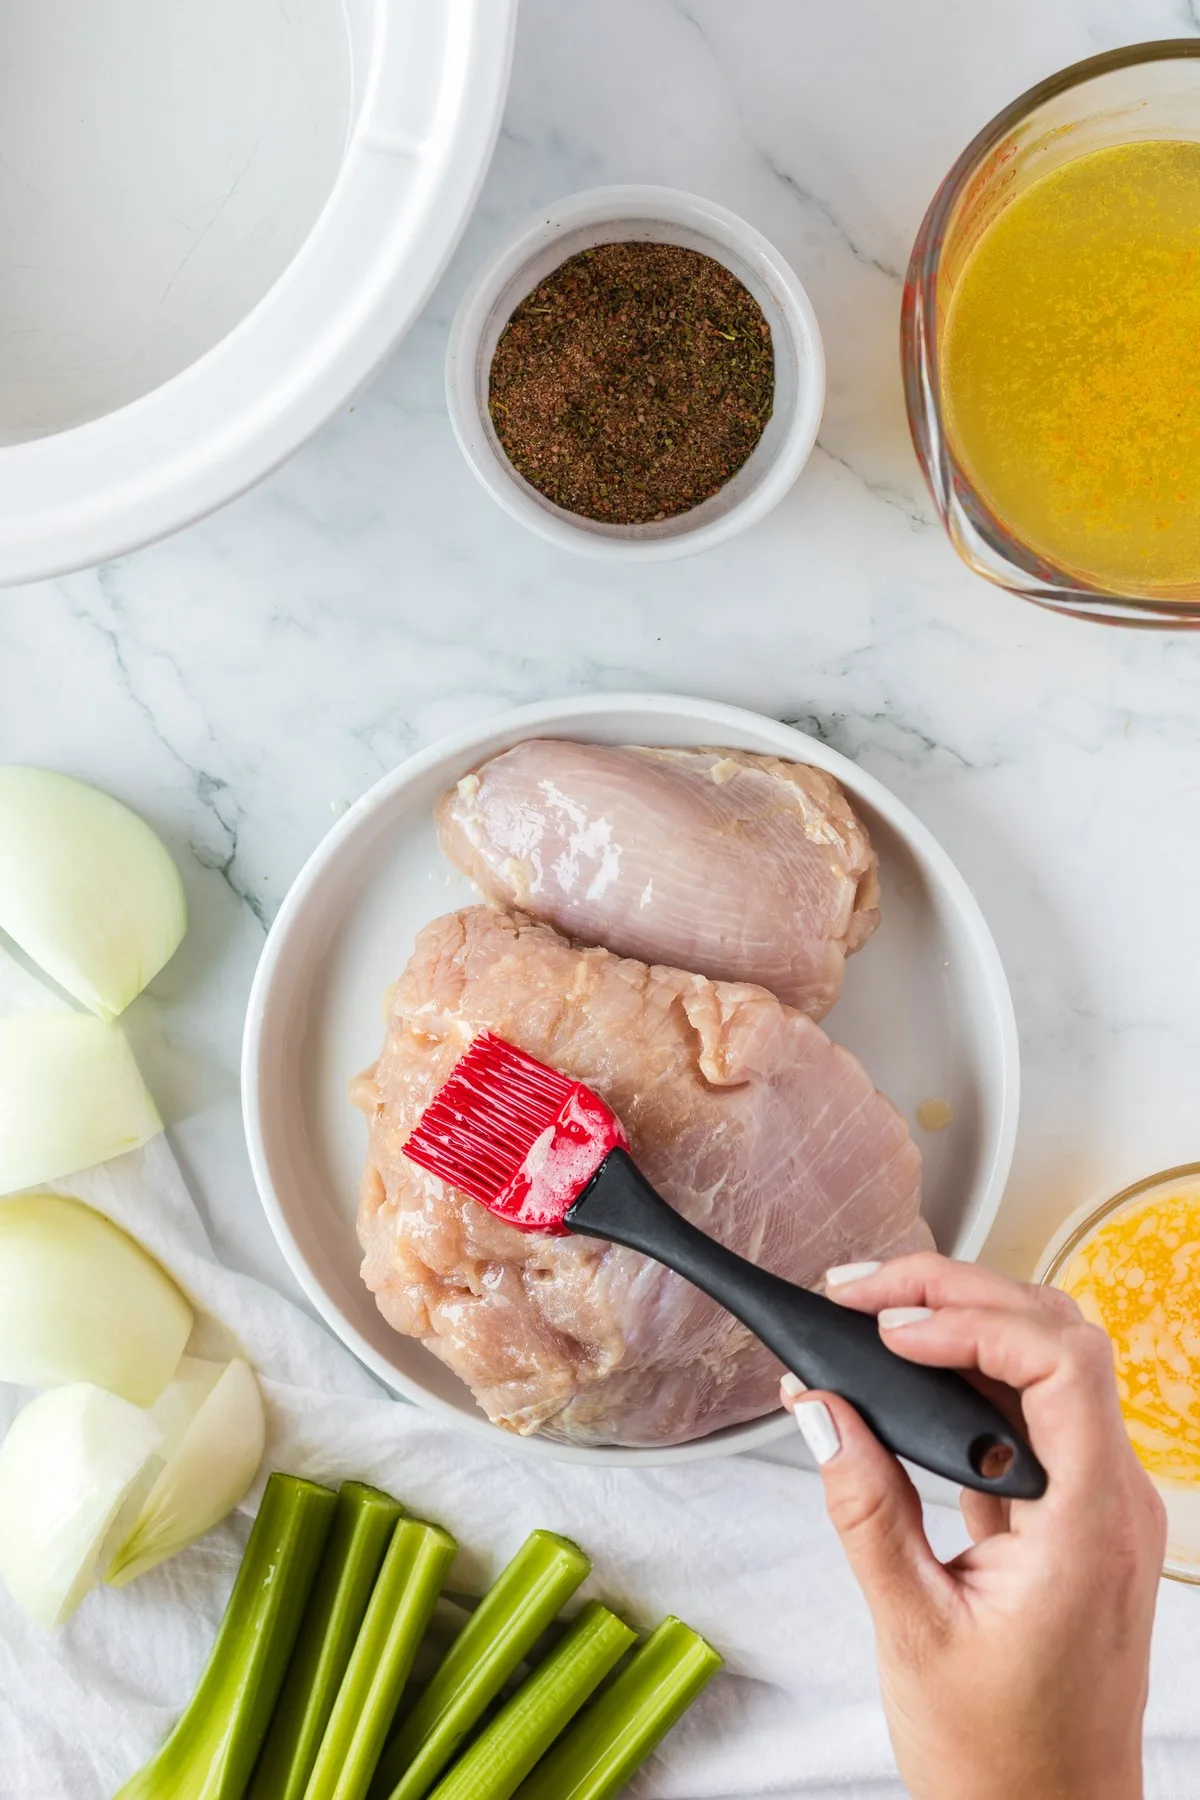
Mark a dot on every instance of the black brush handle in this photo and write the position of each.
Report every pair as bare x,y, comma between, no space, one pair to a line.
934,1417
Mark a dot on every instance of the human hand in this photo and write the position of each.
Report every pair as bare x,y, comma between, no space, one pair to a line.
1021,1667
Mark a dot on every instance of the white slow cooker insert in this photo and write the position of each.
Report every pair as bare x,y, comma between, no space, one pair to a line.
162,163
216,219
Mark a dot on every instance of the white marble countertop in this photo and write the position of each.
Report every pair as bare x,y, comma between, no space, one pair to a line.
243,681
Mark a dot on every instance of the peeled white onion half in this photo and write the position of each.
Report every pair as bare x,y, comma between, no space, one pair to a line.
91,1484
71,1095
81,1301
66,1467
87,889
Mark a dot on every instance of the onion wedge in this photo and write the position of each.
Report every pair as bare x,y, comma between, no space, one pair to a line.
66,1467
81,1301
213,1433
82,1469
87,890
70,1096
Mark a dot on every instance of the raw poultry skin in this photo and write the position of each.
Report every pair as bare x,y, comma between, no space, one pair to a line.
739,1110
741,867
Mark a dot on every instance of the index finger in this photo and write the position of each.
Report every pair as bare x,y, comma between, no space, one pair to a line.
928,1279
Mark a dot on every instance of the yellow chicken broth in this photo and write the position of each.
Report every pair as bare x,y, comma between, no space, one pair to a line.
1138,1275
1070,366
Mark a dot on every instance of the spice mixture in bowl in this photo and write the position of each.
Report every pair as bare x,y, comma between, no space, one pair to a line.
640,374
633,382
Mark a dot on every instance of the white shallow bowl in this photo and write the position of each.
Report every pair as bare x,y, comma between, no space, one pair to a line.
217,217
925,1006
665,216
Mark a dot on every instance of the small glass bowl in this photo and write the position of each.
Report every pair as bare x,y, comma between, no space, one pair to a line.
664,216
1143,91
1183,1504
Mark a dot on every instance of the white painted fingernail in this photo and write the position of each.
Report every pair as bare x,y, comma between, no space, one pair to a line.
893,1317
817,1429
791,1387
844,1273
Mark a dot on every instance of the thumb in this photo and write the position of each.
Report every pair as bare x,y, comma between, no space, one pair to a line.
874,1508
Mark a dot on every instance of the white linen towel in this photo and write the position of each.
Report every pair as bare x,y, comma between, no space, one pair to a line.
738,1547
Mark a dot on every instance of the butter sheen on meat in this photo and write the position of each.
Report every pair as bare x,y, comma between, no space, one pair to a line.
738,1109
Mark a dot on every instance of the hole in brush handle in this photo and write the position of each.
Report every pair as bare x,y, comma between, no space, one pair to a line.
991,1457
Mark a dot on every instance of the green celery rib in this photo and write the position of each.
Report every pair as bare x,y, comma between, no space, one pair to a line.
406,1592
611,1740
211,1752
524,1599
362,1529
503,1754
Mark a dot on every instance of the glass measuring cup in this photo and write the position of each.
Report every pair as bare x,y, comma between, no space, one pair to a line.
1145,91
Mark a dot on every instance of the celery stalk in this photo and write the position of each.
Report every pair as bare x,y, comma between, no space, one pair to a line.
525,1598
611,1740
211,1752
406,1592
496,1764
363,1526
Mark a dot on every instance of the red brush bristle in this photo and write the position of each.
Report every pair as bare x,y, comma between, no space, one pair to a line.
478,1129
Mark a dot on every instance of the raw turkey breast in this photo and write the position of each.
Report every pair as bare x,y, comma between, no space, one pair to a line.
741,867
738,1109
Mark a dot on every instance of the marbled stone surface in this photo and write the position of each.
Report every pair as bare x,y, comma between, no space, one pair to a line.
240,683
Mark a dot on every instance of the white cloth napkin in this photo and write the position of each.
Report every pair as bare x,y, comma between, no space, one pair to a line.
739,1548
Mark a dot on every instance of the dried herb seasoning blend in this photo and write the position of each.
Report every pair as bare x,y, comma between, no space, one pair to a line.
633,382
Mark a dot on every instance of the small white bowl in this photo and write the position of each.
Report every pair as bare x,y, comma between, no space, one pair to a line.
1182,1500
925,1005
664,216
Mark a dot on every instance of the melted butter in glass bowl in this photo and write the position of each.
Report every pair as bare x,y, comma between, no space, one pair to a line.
1133,1265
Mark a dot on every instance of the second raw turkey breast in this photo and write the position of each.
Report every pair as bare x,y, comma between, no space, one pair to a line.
740,867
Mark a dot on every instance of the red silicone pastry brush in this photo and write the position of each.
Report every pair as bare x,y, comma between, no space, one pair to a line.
545,1153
